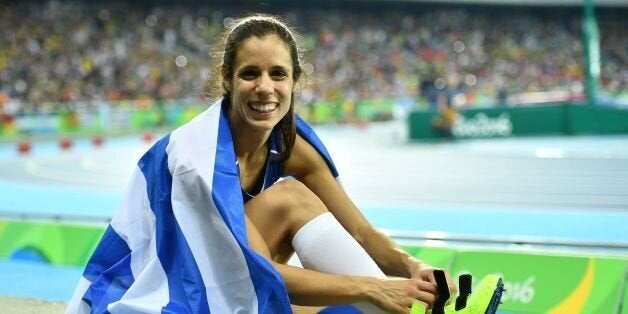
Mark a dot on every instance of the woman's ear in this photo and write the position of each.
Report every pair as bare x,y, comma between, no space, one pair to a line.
225,81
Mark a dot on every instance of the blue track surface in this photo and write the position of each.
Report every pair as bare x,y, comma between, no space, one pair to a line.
593,226
46,200
36,280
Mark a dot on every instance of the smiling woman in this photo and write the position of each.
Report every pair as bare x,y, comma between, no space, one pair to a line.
215,209
259,63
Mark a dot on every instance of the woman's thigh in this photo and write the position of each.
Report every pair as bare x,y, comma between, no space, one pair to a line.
279,212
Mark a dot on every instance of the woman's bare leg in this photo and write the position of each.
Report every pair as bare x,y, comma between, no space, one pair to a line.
256,242
288,214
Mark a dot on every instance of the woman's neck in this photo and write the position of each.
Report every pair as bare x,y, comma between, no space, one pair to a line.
251,148
248,142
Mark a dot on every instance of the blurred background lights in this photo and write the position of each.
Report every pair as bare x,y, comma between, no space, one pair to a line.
470,80
440,83
104,14
202,22
151,20
459,46
308,68
181,61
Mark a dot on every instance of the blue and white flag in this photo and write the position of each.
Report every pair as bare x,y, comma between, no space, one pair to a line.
178,241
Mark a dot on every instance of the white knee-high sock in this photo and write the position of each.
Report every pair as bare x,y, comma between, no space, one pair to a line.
324,245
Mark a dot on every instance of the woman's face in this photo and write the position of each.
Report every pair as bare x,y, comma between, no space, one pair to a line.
262,84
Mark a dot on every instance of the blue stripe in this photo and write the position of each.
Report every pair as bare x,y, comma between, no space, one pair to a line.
109,271
269,286
226,191
308,134
185,284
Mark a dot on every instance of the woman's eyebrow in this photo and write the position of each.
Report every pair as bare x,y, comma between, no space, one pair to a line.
248,67
257,68
279,66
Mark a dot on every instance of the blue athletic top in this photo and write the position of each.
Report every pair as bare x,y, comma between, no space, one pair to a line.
274,168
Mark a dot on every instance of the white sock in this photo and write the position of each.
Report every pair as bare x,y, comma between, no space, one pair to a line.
324,245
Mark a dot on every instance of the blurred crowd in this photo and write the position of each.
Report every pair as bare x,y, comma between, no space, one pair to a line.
59,52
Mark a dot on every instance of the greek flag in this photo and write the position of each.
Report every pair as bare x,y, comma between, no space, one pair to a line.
178,241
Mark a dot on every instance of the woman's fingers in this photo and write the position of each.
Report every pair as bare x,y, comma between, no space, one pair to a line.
424,292
397,295
427,286
427,274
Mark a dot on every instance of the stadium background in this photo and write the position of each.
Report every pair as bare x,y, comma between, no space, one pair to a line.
477,133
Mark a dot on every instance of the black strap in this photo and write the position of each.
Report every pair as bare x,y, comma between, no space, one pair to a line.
464,284
443,292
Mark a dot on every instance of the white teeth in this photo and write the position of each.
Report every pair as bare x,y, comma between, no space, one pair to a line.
263,107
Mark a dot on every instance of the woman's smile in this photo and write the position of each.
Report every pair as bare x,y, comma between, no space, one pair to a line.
264,108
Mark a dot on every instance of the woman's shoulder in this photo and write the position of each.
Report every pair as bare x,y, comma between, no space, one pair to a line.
303,159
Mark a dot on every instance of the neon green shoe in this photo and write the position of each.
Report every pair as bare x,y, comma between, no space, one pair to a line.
484,301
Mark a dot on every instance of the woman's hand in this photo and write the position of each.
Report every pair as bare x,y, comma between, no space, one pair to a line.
396,295
425,272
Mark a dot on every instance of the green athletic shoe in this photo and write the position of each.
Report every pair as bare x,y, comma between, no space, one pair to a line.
483,301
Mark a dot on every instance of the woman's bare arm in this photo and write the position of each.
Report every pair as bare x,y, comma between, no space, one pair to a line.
309,167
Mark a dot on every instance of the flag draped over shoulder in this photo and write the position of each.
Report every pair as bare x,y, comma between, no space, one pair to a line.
178,241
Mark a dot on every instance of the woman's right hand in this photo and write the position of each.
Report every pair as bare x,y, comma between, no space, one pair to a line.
396,295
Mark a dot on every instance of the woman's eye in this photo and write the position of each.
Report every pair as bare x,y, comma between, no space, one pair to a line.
279,74
248,75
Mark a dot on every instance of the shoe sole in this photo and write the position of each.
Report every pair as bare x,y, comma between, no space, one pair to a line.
496,298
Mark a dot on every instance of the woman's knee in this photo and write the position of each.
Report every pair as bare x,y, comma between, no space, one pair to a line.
289,203
299,197
280,211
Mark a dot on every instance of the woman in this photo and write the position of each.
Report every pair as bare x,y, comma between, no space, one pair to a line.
260,69
206,227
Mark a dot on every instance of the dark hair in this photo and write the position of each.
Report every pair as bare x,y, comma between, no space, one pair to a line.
259,26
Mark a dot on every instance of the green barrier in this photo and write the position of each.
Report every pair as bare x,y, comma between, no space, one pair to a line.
323,111
68,121
555,284
492,122
145,119
559,119
624,304
189,113
434,256
58,243
585,119
124,117
534,282
364,109
146,114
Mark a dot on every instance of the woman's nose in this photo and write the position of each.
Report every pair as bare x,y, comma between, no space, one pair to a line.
264,85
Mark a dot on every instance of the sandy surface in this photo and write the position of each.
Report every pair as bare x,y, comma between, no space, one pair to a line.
10,305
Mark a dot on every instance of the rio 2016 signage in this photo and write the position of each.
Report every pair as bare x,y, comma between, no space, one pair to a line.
481,125
555,284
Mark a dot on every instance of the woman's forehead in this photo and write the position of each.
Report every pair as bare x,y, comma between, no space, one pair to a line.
269,50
